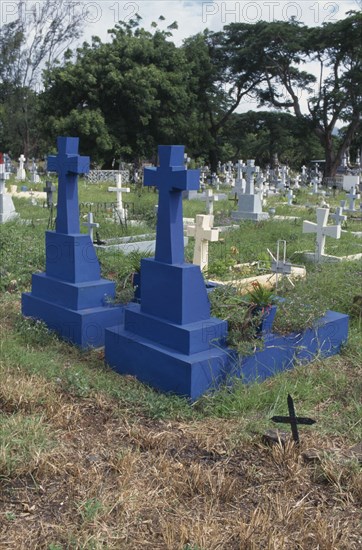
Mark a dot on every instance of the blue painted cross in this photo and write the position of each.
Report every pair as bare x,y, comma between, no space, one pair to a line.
68,165
171,178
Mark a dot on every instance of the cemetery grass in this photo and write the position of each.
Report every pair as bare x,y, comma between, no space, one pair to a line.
90,459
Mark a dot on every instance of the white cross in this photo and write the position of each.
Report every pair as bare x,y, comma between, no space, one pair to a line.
315,185
2,178
290,197
119,190
249,170
203,233
352,195
210,198
338,217
322,230
22,159
90,224
284,173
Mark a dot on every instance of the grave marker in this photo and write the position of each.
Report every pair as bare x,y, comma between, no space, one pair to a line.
90,225
7,208
338,217
21,174
293,420
250,202
70,297
203,233
120,210
322,231
49,189
169,340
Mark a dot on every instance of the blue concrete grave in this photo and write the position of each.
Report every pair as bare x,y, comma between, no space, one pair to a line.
71,297
170,340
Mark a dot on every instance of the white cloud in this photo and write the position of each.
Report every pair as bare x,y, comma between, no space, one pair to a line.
195,16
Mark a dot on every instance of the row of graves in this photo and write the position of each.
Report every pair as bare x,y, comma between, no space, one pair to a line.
166,336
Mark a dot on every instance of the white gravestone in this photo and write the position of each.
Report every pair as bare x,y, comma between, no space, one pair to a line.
240,182
34,173
322,231
203,232
339,217
7,208
290,197
210,198
250,202
21,174
352,196
91,225
120,211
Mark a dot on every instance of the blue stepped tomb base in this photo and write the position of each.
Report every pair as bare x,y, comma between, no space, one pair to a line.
71,297
192,375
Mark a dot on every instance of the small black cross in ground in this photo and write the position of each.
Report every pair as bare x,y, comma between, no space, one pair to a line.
234,199
293,420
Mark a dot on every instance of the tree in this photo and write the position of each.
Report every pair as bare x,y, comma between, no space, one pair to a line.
137,85
261,135
332,98
223,72
34,40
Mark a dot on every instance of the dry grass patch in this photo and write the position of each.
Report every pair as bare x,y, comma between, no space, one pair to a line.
172,485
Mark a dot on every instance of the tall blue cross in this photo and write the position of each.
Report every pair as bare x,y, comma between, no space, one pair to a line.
171,178
68,165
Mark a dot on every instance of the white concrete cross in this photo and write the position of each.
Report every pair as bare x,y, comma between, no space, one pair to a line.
284,173
210,198
352,196
119,190
203,232
90,225
2,178
290,197
338,217
21,175
249,170
322,230
315,185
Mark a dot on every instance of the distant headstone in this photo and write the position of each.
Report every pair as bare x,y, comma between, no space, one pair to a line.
352,196
70,297
34,173
90,225
338,217
250,202
49,189
322,231
120,211
7,208
290,197
21,174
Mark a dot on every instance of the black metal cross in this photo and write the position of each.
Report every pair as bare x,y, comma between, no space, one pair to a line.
234,199
293,420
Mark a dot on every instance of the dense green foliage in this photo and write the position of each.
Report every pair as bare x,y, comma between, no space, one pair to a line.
125,96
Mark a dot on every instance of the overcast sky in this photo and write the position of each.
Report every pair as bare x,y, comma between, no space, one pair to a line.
194,16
